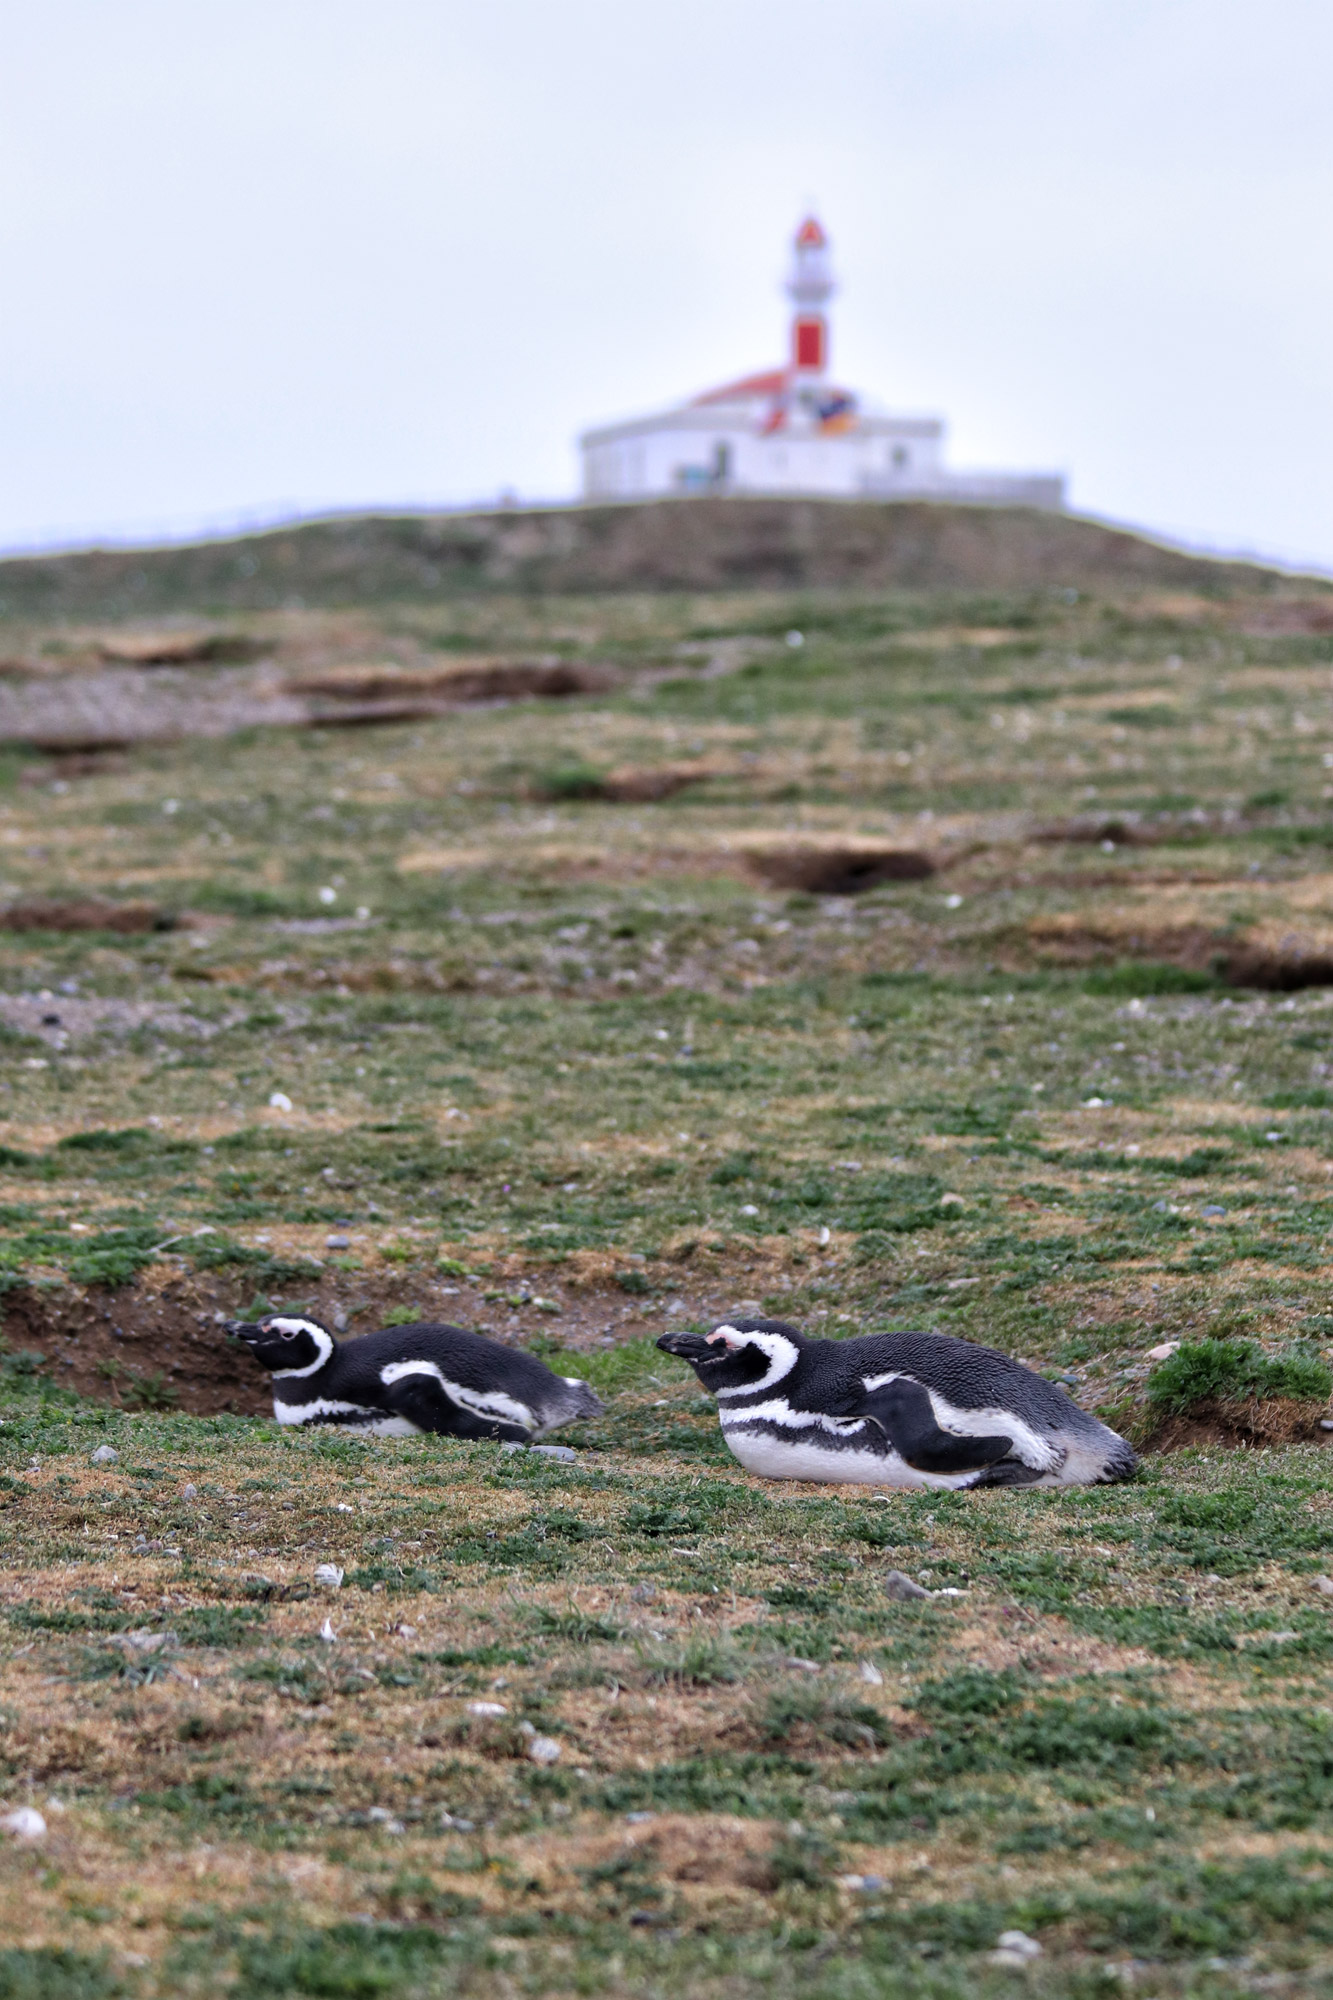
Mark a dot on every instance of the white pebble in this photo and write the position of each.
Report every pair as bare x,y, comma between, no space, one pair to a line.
190,1492
487,1708
327,1633
1162,1353
1324,1585
329,1575
564,1452
1019,1944
328,895
544,1750
105,1454
871,1674
25,1823
279,1101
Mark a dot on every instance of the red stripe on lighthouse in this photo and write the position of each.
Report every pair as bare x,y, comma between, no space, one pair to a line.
809,341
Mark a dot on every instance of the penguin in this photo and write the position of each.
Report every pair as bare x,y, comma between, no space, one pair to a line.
894,1409
406,1380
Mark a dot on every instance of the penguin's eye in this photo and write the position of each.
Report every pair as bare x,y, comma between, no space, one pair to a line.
289,1333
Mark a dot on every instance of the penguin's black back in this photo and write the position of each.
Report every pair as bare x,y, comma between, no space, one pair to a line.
966,1375
353,1369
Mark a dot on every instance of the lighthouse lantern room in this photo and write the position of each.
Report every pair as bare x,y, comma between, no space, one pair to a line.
793,430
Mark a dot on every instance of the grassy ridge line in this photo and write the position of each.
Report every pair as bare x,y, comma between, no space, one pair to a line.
699,544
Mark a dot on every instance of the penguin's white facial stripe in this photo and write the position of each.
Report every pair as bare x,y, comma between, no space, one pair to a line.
323,1342
780,1353
493,1403
1040,1452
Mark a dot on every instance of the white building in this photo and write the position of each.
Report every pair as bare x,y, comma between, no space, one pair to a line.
793,430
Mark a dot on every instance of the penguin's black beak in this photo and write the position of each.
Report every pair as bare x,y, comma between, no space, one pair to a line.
247,1330
691,1347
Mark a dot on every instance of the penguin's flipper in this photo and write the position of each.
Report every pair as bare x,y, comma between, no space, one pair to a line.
423,1402
903,1411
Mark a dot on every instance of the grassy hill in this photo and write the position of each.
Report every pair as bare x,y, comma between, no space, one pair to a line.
965,965
695,544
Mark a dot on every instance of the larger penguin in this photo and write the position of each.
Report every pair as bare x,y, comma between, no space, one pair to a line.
408,1379
894,1409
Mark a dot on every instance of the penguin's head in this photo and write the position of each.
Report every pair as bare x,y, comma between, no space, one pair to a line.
739,1356
285,1343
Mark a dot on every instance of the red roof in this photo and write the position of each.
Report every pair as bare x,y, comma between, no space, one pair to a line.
771,383
810,236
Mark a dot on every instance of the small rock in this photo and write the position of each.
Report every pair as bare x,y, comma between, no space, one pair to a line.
644,1593
564,1452
543,1750
1324,1585
327,1633
487,1708
1095,1103
189,1493
901,1588
329,1575
802,1666
639,1818
871,1674
952,1201
1211,1211
1326,1423
279,1101
749,1308
149,1642
105,1454
337,1242
1019,1944
1163,1353
25,1823
511,1446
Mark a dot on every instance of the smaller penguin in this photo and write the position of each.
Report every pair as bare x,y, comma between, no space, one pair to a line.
894,1409
406,1380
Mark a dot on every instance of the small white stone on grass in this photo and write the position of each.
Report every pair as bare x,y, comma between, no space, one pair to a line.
105,1454
327,1633
1324,1585
329,1575
25,1823
564,1452
901,1588
871,1674
279,1101
328,895
543,1750
487,1708
1015,1948
1164,1352
189,1492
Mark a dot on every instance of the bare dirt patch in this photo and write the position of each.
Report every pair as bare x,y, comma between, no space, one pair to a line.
837,869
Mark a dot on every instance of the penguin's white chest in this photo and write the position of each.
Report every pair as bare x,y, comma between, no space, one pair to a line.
772,1457
328,1410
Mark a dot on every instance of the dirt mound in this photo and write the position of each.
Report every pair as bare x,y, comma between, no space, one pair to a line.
1274,1420
1273,957
1095,832
177,649
846,870
699,543
84,913
476,680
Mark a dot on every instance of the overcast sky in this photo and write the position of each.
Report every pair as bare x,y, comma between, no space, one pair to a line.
280,255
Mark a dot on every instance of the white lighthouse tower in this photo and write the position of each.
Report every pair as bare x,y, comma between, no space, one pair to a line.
810,287
793,430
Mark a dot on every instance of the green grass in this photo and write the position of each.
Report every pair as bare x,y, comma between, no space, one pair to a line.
578,1076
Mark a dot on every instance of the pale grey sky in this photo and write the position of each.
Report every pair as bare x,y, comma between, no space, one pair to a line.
290,254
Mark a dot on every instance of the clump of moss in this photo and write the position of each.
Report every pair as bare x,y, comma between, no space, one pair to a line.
1236,1371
